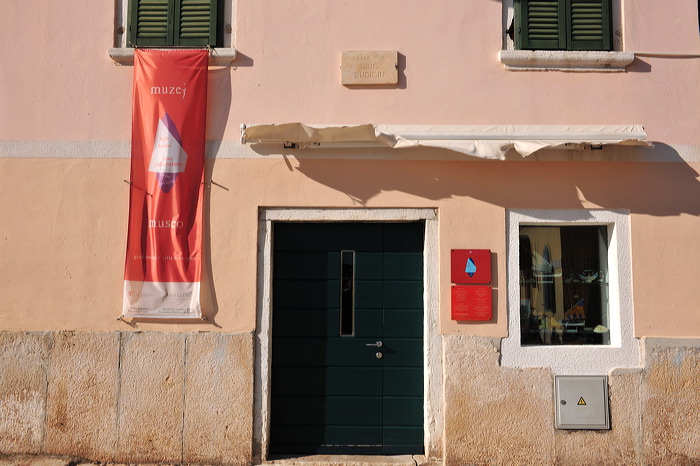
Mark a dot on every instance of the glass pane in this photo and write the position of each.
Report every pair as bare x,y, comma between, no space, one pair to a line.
347,293
564,285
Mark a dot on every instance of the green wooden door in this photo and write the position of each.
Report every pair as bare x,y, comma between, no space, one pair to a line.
330,391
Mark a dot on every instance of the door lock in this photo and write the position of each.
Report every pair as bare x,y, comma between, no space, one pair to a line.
379,355
378,344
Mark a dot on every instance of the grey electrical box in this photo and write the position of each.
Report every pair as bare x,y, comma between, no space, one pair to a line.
581,402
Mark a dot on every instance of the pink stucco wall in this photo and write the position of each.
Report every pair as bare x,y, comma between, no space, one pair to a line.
288,70
63,253
64,220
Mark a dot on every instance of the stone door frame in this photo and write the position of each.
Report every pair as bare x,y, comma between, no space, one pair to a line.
432,340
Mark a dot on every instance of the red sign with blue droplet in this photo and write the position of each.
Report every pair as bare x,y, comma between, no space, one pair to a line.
471,266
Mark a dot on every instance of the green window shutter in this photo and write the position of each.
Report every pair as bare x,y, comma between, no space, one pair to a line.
589,25
540,24
563,25
197,22
150,22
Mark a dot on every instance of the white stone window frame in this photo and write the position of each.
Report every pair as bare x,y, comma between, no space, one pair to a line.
433,416
123,54
624,349
562,60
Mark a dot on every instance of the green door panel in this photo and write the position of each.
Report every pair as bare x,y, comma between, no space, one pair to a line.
324,322
328,410
403,352
296,265
358,381
369,265
403,323
368,294
367,321
397,436
306,294
332,393
337,351
327,439
402,381
305,322
403,237
398,410
403,294
403,266
333,435
364,237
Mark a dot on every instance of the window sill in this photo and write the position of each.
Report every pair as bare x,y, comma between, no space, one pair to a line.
545,60
217,56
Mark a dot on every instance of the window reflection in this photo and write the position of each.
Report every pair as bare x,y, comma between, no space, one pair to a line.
563,285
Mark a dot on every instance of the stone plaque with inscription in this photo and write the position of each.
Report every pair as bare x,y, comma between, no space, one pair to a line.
367,67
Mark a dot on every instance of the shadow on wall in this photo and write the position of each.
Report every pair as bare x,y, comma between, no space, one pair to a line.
217,117
652,188
639,66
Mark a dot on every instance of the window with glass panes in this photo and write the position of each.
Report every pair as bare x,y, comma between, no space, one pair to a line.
564,285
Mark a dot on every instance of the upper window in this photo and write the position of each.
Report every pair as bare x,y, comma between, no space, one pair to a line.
175,23
562,25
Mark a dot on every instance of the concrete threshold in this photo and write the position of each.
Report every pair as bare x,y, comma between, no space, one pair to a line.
349,460
281,460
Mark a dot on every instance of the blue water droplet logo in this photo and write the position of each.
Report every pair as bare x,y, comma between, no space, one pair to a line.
471,267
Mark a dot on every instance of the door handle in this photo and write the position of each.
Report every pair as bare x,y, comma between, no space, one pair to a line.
377,344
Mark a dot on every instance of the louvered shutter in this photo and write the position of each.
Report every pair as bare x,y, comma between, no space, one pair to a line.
542,24
184,23
150,22
563,25
590,25
197,20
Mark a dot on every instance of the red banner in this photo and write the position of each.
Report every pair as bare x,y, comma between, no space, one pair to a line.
164,243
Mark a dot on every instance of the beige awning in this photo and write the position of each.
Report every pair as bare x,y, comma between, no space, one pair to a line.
485,141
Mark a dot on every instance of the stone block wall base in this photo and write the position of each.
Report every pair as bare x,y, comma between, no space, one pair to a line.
496,415
23,363
128,397
133,397
670,402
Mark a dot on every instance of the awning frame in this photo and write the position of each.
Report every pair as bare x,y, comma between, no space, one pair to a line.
485,141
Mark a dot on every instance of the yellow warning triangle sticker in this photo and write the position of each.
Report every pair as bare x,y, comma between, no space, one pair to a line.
581,402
